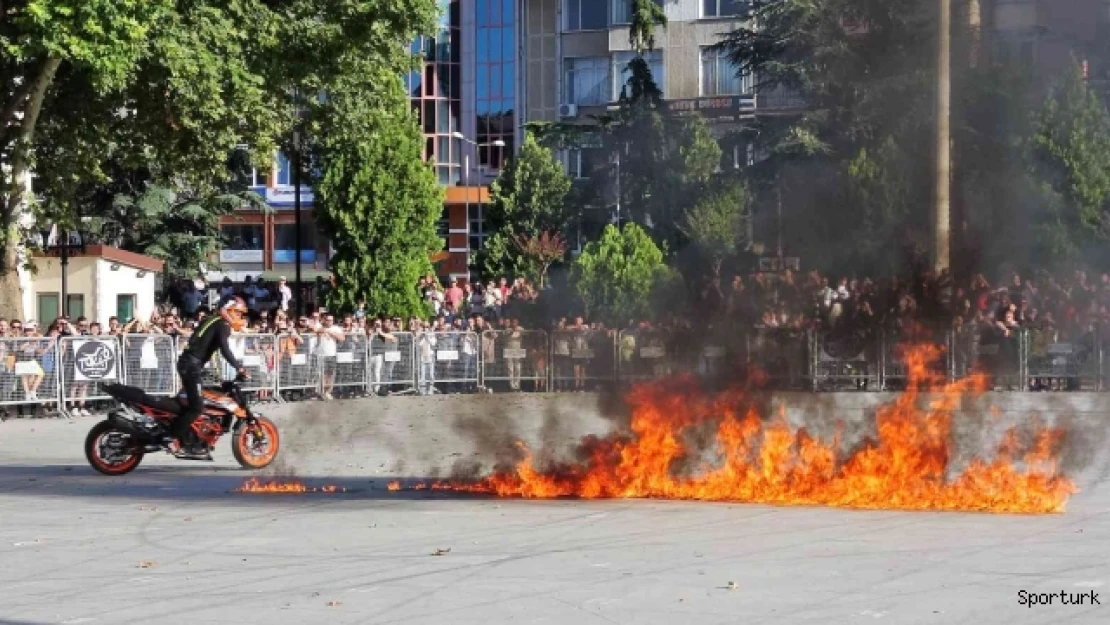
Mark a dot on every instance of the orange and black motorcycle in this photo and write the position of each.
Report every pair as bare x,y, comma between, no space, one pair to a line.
138,427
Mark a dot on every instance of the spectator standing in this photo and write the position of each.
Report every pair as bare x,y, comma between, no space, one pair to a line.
328,337
285,295
454,295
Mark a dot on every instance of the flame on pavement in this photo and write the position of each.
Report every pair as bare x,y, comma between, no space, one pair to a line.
905,466
253,485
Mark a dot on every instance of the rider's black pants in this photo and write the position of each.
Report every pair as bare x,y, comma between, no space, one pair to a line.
191,371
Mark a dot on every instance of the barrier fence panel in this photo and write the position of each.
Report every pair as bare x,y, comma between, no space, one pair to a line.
258,353
781,354
351,366
845,359
392,365
1002,358
296,366
514,356
87,363
963,352
583,358
1055,364
894,371
28,371
150,363
448,362
644,354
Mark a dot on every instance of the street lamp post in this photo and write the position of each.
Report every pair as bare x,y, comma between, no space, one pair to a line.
64,246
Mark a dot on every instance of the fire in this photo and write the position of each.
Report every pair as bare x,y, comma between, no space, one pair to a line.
906,465
253,485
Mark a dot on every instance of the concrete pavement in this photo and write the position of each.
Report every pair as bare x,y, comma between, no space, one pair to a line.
172,542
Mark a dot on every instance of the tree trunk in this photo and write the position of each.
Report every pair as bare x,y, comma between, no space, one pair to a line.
11,295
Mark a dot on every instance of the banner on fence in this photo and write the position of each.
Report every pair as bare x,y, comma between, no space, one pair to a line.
94,360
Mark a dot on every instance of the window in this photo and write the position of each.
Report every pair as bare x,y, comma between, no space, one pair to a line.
583,162
622,11
285,243
621,73
587,80
125,307
477,227
719,75
242,237
47,309
76,305
586,14
723,8
443,227
284,170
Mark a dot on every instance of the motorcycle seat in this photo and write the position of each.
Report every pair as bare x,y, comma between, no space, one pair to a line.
134,395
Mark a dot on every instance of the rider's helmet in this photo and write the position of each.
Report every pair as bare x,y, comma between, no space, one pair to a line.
234,311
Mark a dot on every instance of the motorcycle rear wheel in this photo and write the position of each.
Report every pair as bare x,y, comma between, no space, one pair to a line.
103,434
256,445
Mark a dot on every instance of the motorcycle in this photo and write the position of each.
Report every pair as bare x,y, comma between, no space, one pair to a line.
139,426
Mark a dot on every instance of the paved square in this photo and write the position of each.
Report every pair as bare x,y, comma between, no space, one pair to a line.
172,543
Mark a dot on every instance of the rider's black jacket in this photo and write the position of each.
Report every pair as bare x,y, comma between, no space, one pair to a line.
210,335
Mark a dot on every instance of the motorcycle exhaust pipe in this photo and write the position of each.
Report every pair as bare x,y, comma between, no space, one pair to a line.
129,427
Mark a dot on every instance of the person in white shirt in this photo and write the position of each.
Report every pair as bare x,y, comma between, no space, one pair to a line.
329,335
285,294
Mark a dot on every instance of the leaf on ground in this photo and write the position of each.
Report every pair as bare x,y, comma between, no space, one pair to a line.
146,564
440,552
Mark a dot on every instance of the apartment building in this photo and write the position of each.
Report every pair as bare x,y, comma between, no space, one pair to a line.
1049,35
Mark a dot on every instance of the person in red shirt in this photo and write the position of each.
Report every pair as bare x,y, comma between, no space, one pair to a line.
454,295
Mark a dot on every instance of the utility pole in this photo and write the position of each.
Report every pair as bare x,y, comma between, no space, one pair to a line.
942,226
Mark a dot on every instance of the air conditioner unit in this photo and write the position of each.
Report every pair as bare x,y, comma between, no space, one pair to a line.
568,110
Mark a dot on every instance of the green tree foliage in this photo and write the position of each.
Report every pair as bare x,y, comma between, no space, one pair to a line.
168,224
646,15
616,276
715,225
528,198
379,202
1071,151
850,166
169,89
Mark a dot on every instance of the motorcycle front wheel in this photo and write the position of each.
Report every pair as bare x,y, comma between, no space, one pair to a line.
111,451
255,445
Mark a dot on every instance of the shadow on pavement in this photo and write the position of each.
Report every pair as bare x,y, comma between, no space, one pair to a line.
213,484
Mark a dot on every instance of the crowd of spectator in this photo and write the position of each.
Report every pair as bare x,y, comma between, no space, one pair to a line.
1057,308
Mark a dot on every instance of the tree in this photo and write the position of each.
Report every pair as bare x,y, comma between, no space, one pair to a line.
1070,150
616,276
171,88
540,252
646,15
173,226
715,225
528,198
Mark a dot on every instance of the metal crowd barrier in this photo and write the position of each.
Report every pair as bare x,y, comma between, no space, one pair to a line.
351,369
71,371
845,359
297,369
392,363
644,354
582,359
28,371
1055,364
87,363
781,354
448,362
513,357
150,363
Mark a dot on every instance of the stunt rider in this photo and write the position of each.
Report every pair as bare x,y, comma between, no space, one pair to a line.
210,335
